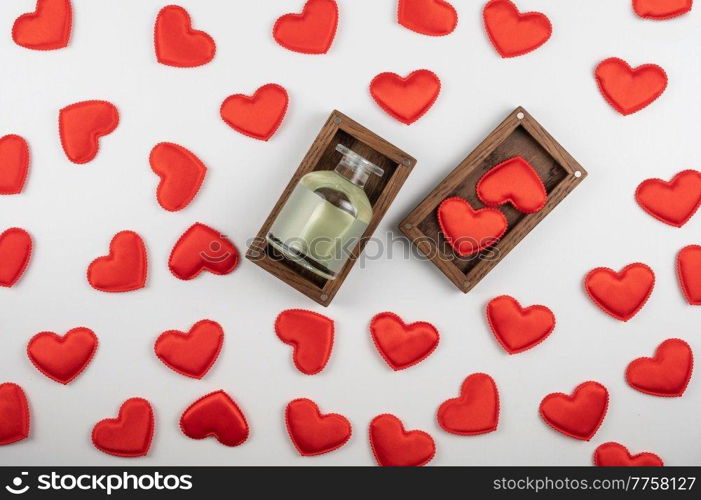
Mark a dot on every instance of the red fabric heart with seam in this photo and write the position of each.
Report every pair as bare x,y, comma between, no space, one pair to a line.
512,33
673,202
666,374
14,164
80,125
181,173
124,269
616,455
202,248
395,447
312,31
578,416
406,99
402,345
661,9
15,253
313,433
177,44
191,354
215,415
628,89
14,414
130,434
689,273
620,294
428,17
475,411
62,357
47,28
311,336
513,181
518,329
468,230
258,116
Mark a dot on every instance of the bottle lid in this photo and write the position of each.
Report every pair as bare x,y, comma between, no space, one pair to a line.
354,161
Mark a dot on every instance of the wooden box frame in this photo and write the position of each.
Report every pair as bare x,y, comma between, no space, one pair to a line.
518,134
322,156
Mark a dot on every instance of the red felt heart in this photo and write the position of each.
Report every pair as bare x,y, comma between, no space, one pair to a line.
191,354
667,373
313,433
628,89
128,435
513,181
202,248
258,116
15,252
217,415
177,44
312,31
406,99
14,414
62,357
512,33
47,28
475,411
468,230
395,447
181,174
673,202
689,273
578,416
14,164
661,9
620,294
616,455
80,125
311,336
518,329
428,17
402,345
124,268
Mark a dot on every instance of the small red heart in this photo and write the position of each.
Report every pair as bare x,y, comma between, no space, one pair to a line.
661,9
468,230
475,411
428,17
191,354
217,415
673,202
14,164
313,433
202,248
513,181
15,253
177,44
62,357
311,336
124,268
616,455
580,415
402,345
258,116
512,33
14,414
181,173
620,294
689,273
47,28
312,31
628,89
128,435
666,374
406,99
80,125
518,329
395,447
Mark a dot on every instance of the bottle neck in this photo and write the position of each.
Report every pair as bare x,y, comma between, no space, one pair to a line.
354,173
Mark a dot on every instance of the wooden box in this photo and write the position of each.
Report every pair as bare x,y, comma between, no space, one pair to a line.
519,134
322,155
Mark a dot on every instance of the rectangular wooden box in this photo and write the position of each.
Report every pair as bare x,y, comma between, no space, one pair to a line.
322,155
519,134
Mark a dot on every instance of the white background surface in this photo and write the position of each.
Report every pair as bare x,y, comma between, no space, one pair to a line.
72,211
